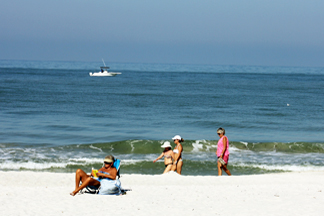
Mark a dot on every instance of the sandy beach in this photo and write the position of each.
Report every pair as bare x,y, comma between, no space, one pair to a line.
39,193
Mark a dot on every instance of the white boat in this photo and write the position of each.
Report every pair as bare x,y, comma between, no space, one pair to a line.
104,72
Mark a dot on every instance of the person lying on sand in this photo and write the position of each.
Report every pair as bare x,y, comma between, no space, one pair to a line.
107,171
168,156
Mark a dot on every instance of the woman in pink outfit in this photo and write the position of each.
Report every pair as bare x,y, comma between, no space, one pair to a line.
222,152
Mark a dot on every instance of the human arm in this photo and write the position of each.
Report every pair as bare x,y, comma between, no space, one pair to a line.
94,173
112,173
158,158
172,155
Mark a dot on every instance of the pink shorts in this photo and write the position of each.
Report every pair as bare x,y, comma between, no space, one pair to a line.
225,158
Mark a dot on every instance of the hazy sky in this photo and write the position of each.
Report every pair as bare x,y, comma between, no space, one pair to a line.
237,32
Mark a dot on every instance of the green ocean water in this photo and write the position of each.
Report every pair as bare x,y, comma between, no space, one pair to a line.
137,157
55,117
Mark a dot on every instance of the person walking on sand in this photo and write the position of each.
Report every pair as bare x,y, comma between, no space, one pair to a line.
222,152
168,156
177,164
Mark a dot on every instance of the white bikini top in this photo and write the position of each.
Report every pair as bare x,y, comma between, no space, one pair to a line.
176,151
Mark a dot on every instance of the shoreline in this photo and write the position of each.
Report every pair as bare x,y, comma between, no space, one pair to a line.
44,193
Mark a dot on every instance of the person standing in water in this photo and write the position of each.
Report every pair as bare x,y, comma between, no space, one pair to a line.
177,164
222,152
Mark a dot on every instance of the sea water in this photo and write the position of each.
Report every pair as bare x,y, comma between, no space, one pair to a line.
55,117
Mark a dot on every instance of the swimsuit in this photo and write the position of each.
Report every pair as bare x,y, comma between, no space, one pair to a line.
168,157
102,178
176,151
168,164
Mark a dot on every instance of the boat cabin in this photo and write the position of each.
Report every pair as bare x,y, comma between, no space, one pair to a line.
104,69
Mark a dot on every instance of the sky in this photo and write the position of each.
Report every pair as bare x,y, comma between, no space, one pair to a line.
232,32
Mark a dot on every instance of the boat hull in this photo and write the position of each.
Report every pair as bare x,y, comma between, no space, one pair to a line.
104,74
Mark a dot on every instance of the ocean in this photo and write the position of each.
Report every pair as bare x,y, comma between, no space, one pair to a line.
56,118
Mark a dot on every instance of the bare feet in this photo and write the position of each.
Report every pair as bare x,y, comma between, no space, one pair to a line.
72,194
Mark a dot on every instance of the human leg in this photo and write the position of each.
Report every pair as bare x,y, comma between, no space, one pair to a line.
168,168
85,183
226,170
179,166
224,167
219,166
81,176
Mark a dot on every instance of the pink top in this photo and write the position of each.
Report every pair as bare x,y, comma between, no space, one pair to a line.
220,147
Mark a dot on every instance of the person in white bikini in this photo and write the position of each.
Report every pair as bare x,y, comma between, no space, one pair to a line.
168,156
177,164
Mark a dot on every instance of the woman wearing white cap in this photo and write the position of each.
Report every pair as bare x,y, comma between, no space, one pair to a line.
106,172
168,156
177,164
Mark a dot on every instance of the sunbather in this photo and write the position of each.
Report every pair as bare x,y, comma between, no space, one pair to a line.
88,180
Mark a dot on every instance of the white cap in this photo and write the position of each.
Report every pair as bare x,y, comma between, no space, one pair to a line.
166,145
177,137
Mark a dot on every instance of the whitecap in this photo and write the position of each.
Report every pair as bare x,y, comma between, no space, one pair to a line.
96,148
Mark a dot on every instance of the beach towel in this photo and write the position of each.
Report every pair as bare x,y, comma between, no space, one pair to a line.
110,187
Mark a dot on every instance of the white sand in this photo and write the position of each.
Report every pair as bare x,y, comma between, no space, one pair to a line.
36,193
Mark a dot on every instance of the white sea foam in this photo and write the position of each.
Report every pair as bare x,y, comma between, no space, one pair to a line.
132,144
32,165
46,165
197,146
211,148
234,149
29,150
202,145
132,161
96,148
244,143
208,146
87,160
293,168
214,147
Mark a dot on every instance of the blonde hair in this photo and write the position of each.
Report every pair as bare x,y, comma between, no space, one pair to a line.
109,159
221,131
